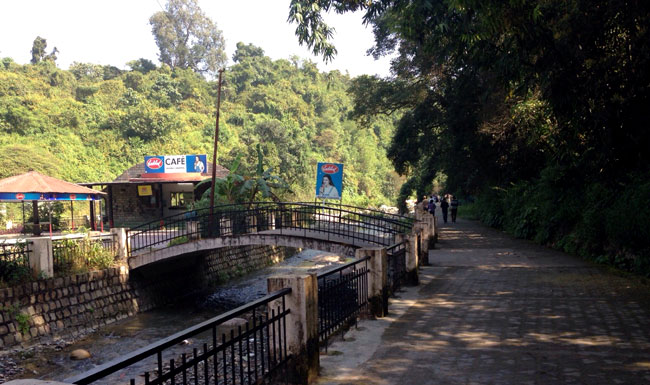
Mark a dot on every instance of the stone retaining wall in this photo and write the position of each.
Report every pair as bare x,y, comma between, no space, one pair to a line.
223,264
74,305
67,306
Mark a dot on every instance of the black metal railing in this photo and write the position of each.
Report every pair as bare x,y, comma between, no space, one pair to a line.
251,354
74,253
396,266
14,260
342,296
309,220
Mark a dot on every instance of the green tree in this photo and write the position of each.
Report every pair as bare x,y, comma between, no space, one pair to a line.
143,66
38,51
246,51
87,71
187,38
474,66
539,107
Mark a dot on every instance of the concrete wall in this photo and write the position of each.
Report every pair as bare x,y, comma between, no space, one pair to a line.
74,305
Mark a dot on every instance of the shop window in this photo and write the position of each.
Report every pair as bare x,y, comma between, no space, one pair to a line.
179,200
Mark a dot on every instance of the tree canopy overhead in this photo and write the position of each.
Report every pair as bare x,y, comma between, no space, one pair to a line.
542,99
480,71
187,38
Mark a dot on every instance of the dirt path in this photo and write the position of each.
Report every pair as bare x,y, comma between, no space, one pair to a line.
496,310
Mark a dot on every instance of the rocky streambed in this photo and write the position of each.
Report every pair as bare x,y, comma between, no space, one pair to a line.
50,360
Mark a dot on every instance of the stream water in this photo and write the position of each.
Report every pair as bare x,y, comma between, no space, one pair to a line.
125,336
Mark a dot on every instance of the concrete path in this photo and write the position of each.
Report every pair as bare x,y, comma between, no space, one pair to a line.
495,310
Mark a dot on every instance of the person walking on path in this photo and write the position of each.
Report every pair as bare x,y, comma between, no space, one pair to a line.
432,206
444,206
453,206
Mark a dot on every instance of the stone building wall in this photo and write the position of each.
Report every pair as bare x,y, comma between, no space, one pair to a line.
129,209
75,305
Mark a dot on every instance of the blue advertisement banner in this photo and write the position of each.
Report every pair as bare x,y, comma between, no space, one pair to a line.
329,181
17,197
169,164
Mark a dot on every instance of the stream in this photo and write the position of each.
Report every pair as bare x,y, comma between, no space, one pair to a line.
112,341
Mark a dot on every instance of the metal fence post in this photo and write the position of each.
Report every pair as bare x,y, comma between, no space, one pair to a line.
301,324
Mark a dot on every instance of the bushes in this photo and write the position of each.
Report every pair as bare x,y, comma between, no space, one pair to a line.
13,272
607,224
73,256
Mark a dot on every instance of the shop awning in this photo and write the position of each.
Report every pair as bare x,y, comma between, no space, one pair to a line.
34,186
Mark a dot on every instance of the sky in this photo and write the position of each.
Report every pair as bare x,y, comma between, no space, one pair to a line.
114,32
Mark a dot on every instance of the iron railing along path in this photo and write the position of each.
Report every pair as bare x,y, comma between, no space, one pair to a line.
72,252
14,256
250,355
342,296
309,220
396,255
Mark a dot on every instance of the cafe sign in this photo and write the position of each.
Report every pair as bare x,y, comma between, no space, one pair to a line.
169,164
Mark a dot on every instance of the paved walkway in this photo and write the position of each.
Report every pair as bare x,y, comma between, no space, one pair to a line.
495,310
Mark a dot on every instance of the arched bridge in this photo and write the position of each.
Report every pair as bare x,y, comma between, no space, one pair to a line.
340,229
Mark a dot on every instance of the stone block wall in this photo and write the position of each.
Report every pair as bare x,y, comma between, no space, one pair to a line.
75,305
63,307
129,209
223,264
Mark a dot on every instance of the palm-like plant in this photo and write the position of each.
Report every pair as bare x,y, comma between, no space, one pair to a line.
245,189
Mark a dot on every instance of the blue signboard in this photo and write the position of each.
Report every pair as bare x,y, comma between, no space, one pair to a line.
329,181
166,164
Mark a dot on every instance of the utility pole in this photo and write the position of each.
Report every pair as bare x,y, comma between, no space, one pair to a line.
214,153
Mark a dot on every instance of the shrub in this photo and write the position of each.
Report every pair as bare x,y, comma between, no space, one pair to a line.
178,241
605,223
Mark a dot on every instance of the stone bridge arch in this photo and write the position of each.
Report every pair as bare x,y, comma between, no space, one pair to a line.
338,229
171,252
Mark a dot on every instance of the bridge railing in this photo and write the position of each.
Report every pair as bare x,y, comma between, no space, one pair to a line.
251,354
296,219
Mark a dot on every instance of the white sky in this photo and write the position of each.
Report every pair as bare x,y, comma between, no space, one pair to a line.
117,31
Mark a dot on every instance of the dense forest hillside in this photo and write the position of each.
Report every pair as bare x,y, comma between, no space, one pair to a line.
92,122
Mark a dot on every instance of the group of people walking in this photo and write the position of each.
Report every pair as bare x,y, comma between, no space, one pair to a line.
447,203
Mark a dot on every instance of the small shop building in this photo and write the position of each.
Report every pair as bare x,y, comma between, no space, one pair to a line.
156,188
